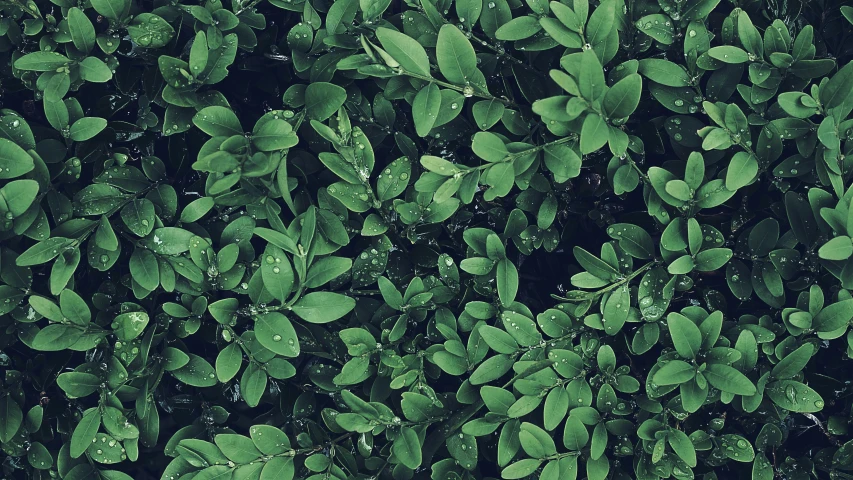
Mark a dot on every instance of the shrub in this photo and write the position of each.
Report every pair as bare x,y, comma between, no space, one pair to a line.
429,239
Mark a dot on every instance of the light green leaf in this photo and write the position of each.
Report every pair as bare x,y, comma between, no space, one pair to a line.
685,335
150,31
322,100
14,160
405,50
323,307
81,29
407,448
218,121
86,128
455,56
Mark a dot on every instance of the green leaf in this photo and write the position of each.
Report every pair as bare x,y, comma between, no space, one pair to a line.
728,379
657,26
174,358
150,31
86,128
616,310
487,113
664,72
278,468
275,332
144,269
621,99
728,54
591,78
11,418
139,216
674,372
57,87
322,100
567,363
274,135
847,11
489,147
237,448
78,384
74,308
834,316
455,56
253,384
793,363
685,335
749,36
269,440
556,406
535,441
81,29
197,209
93,69
277,273
18,196
498,340
407,448
323,307
594,133
43,251
130,325
39,457
839,248
228,362
425,108
521,469
325,270
712,259
742,171
218,121
439,165
795,396
197,373
633,239
837,89
14,160
492,369
507,279
575,434
518,28
405,50
112,9
682,446
85,432
563,162
42,61
199,53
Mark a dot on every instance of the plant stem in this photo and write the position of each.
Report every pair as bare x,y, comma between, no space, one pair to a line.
469,93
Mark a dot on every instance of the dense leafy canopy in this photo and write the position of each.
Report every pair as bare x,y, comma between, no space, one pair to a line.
446,239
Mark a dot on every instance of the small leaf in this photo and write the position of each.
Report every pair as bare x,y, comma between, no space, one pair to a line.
323,307
685,335
217,121
86,128
405,50
322,100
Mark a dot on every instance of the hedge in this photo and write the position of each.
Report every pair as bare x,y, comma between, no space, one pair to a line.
426,239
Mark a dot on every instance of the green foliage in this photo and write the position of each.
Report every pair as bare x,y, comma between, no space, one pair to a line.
446,239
